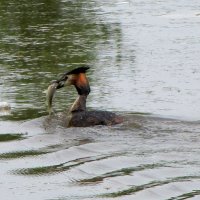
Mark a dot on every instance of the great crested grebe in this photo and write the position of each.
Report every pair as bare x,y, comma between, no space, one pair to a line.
78,116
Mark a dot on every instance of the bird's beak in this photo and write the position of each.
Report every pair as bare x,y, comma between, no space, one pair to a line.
61,82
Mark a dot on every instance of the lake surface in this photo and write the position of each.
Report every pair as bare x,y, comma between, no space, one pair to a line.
144,59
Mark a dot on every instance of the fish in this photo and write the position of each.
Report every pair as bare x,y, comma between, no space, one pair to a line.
49,96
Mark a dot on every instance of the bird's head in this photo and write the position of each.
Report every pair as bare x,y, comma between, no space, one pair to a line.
76,77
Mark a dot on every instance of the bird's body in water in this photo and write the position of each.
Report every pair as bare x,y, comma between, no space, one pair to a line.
78,115
92,118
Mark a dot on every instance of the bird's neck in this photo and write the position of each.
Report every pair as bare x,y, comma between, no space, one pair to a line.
79,104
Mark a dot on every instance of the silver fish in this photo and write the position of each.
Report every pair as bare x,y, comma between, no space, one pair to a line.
49,96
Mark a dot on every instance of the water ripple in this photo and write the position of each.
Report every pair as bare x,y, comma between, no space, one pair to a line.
152,184
38,171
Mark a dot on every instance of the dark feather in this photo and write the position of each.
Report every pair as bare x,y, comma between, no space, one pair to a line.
78,70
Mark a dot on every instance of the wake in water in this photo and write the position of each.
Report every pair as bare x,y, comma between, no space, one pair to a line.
144,158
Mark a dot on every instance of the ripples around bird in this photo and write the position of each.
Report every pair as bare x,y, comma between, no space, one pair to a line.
145,158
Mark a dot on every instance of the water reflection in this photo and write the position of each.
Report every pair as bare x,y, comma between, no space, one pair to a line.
41,40
144,57
142,61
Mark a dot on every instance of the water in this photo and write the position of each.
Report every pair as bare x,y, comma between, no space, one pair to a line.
144,58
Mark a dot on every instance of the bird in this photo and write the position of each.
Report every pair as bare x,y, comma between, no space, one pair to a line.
78,115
